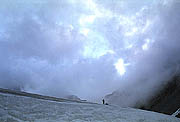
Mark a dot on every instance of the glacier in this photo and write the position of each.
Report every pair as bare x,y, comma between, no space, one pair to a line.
15,108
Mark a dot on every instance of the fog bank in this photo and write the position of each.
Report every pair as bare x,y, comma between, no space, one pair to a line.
89,48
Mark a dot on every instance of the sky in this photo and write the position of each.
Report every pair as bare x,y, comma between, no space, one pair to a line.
89,48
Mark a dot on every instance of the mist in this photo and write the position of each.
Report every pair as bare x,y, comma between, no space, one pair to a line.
89,48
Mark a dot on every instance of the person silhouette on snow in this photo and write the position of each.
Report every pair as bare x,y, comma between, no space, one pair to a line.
103,101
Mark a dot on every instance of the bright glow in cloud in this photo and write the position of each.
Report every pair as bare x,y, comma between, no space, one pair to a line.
87,20
129,46
145,46
84,31
132,32
96,48
148,23
120,67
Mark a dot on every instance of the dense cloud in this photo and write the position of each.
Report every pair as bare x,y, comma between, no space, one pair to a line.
88,48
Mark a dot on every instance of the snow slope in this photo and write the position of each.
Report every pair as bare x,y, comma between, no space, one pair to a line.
14,108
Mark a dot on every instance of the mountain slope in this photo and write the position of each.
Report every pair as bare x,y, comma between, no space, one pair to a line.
168,99
165,100
15,108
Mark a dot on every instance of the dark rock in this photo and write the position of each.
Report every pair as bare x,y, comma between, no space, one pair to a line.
167,100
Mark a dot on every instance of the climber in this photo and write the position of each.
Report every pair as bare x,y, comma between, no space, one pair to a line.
103,101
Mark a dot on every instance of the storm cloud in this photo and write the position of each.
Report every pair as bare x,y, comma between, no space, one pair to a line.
89,48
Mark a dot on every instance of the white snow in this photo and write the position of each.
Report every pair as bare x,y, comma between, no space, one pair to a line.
19,109
176,113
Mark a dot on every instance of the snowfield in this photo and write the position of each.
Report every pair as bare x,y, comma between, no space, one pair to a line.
15,108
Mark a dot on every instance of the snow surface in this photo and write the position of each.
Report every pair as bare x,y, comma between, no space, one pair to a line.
15,108
176,113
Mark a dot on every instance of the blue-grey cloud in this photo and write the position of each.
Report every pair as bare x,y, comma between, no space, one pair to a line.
73,47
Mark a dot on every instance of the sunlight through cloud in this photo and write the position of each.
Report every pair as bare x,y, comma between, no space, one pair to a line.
120,66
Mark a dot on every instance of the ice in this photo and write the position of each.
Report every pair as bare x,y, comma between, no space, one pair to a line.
15,108
176,113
